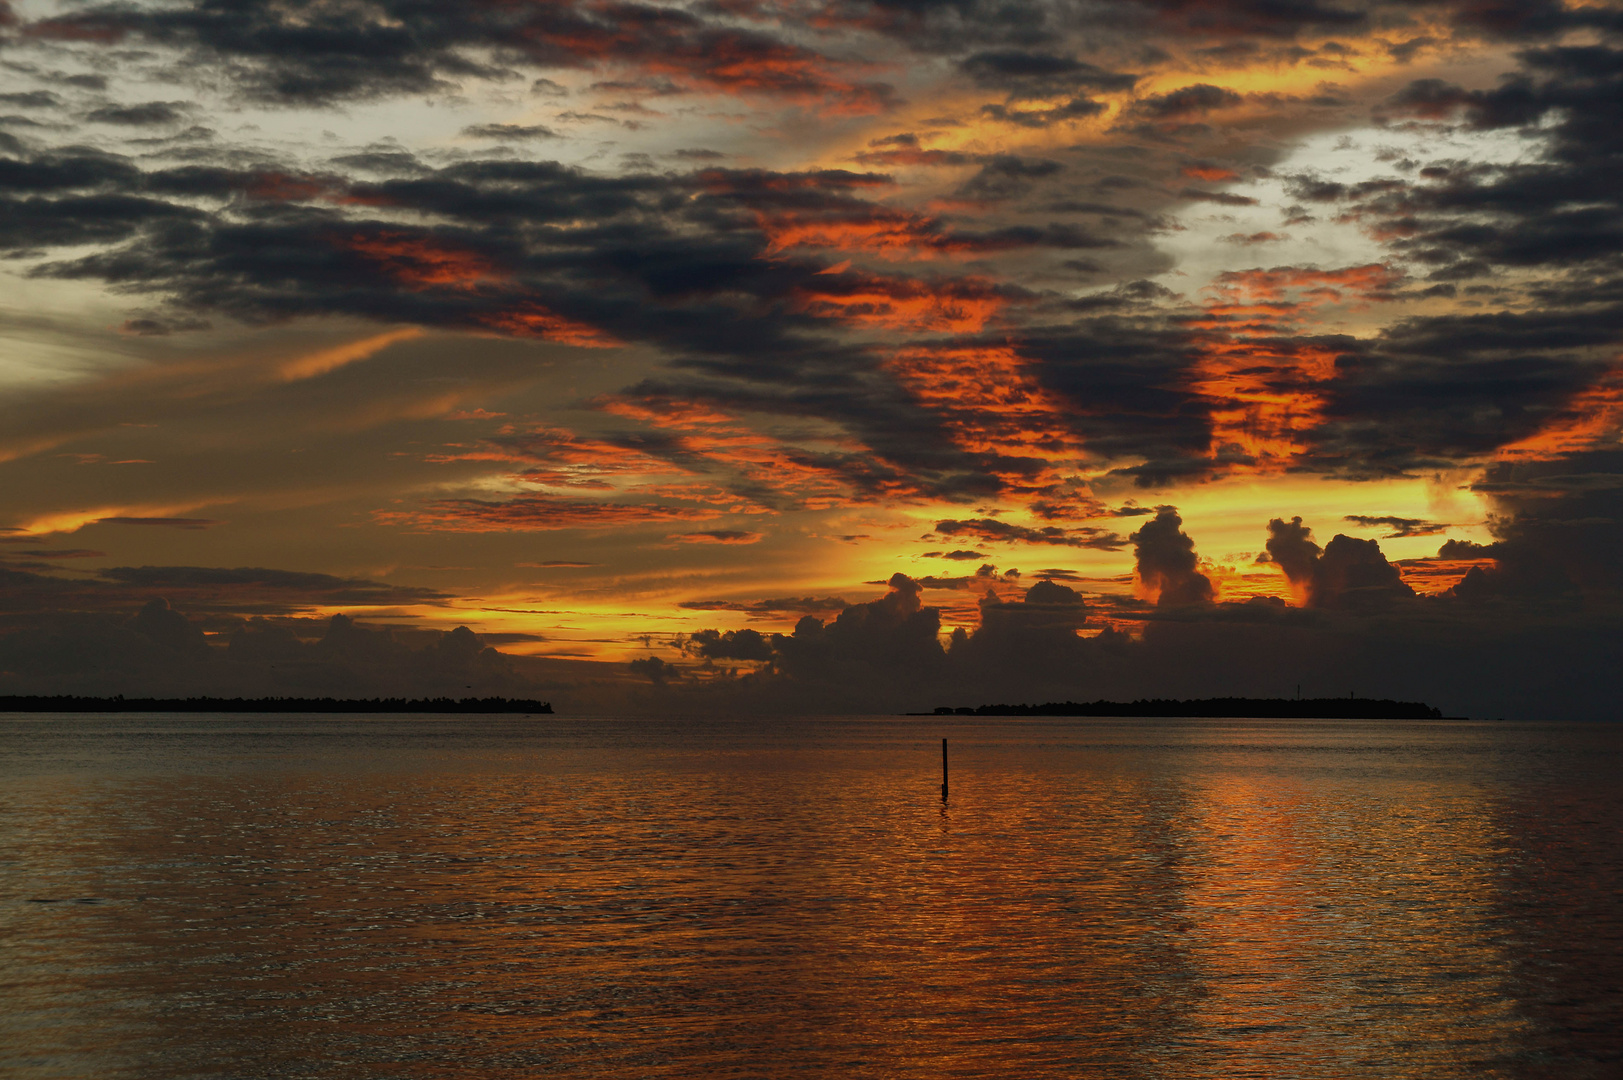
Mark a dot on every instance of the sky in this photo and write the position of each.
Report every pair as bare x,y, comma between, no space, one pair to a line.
814,355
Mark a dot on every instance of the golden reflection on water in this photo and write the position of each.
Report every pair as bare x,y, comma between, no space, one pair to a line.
1150,900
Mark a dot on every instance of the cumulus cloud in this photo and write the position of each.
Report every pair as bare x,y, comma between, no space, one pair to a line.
1346,573
162,651
743,644
1165,563
893,634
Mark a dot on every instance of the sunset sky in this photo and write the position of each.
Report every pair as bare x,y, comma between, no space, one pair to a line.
631,335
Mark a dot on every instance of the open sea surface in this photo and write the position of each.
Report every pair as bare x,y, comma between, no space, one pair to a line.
276,896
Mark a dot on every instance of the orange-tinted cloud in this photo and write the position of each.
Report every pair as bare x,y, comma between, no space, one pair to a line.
419,262
1431,577
990,401
531,319
915,156
540,513
992,530
719,536
1212,174
1264,385
1591,416
319,363
957,305
822,209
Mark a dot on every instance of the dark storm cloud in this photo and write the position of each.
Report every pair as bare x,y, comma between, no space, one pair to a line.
1429,391
719,536
1556,213
1123,375
309,52
330,589
1363,630
743,644
1347,573
1187,101
31,99
1031,30
1029,76
1221,198
1040,73
1047,609
883,638
991,529
509,131
539,249
1165,562
1400,526
1032,634
1559,533
1078,108
720,269
162,650
27,597
145,115
385,162
790,605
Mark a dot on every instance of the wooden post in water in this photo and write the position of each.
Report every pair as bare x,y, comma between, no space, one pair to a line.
943,770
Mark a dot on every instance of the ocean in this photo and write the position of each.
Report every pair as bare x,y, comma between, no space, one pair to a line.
305,896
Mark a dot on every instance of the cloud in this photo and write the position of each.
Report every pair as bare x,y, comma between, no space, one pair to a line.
159,650
32,99
866,642
655,669
1400,526
1039,73
1464,549
1186,101
1347,573
305,52
992,530
325,360
1077,108
777,606
509,131
720,536
540,513
1222,198
1165,564
148,114
743,644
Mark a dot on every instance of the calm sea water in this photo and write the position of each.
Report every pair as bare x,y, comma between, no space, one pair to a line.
228,896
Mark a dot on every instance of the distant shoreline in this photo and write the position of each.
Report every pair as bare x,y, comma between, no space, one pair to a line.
74,703
1218,708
